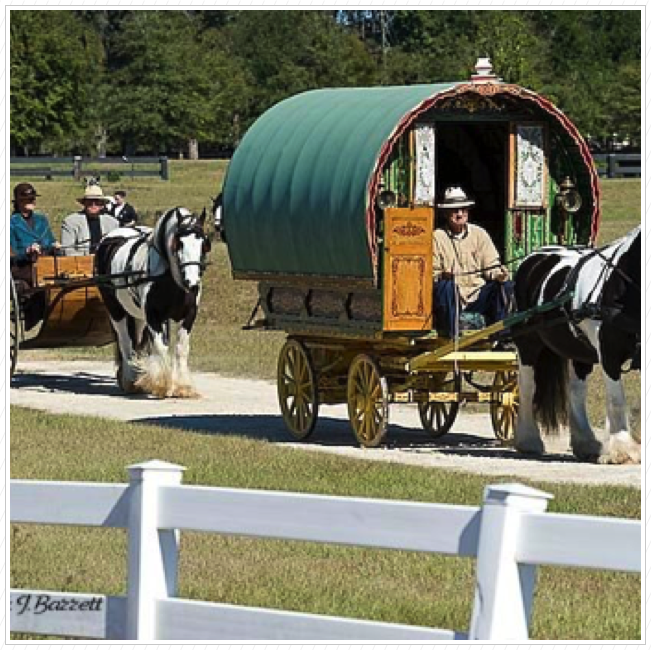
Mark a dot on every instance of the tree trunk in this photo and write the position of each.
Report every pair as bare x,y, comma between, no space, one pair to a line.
193,149
101,137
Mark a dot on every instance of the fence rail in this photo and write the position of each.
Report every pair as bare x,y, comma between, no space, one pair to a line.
509,535
77,167
619,165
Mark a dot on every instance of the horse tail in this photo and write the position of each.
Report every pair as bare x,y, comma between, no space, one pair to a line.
550,400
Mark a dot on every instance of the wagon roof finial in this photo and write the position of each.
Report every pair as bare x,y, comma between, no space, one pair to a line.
484,70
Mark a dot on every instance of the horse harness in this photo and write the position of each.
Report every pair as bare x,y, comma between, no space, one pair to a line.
592,308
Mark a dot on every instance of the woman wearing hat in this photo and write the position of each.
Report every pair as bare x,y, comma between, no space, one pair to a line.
29,231
82,231
30,235
468,274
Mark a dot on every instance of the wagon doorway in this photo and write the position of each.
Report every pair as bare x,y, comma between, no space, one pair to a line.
475,157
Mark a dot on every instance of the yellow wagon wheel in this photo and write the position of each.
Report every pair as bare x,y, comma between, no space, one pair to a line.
297,389
15,328
505,412
437,418
368,401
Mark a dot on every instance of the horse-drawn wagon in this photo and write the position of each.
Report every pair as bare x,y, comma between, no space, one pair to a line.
58,306
329,203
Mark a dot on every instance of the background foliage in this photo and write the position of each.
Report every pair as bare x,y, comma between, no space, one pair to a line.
89,81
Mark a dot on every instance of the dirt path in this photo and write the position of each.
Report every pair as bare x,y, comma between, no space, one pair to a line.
249,408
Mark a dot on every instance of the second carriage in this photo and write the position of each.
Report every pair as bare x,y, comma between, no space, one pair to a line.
59,306
329,204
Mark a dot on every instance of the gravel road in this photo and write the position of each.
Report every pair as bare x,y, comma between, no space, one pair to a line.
245,407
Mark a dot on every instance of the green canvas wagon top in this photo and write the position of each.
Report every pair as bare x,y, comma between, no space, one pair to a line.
300,194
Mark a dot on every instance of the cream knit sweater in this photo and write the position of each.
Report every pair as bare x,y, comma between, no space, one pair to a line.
471,250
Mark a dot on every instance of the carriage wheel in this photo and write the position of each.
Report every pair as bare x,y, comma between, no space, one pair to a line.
297,389
368,401
15,328
504,414
437,418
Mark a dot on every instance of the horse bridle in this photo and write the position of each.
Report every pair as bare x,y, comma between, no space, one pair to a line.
194,227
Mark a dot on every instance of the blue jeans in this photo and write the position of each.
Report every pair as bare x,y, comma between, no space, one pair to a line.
493,302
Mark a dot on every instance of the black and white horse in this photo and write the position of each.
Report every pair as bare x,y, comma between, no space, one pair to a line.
150,278
601,324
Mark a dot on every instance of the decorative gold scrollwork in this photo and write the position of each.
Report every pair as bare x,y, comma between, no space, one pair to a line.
409,229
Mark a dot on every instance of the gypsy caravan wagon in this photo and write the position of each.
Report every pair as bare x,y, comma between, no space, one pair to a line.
330,205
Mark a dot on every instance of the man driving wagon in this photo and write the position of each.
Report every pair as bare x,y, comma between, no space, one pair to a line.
468,276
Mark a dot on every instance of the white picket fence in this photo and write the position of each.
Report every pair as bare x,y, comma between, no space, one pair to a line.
509,536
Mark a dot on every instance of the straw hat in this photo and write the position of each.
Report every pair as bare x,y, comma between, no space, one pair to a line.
455,197
93,192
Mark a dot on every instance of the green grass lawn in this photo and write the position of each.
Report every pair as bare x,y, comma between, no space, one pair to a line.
355,582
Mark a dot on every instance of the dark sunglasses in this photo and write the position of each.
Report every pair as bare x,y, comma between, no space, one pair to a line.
94,202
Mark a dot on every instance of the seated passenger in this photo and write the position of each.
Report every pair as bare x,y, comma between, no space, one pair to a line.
29,236
82,231
468,276
29,231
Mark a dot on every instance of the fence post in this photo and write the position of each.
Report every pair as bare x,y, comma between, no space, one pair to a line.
76,167
504,589
164,168
153,553
612,166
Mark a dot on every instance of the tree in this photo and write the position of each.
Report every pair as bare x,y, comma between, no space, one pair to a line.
287,52
172,86
591,68
55,69
431,46
509,39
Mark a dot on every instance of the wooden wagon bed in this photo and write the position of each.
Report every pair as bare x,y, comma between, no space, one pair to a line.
66,307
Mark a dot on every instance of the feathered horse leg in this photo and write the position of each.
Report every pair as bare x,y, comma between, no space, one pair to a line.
183,386
155,368
182,381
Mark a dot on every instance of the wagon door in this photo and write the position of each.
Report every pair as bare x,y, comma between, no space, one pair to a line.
527,223
408,268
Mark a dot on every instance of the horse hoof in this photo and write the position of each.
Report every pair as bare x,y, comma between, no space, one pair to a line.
621,457
588,454
185,392
530,453
623,450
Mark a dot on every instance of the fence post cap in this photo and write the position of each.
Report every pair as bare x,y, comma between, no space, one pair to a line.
516,494
157,467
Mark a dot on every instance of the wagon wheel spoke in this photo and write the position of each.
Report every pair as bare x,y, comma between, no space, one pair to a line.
15,327
297,389
437,418
505,411
367,401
